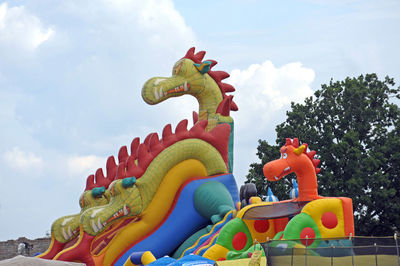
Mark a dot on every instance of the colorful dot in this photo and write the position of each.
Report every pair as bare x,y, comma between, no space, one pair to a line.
261,226
309,233
239,241
329,220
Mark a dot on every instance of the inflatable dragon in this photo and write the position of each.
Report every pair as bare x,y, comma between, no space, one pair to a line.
153,191
312,216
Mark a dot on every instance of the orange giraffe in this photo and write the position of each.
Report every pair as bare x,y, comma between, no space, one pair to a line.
296,159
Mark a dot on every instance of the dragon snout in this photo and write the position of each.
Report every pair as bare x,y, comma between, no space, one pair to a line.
275,170
268,171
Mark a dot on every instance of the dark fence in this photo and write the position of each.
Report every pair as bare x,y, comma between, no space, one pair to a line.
363,251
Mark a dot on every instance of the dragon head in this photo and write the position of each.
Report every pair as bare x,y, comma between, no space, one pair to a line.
186,79
66,228
294,158
191,75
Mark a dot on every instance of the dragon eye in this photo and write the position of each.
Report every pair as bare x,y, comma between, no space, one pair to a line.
112,189
284,155
177,68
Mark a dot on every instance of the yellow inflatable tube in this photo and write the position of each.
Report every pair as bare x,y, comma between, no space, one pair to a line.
156,211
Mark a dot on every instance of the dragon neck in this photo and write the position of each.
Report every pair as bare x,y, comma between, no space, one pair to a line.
307,183
209,99
190,148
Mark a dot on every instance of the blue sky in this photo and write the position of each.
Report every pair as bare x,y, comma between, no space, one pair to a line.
71,73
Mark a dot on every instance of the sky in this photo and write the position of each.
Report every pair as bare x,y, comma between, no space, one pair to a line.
71,74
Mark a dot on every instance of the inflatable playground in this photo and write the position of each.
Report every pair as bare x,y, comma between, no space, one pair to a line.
172,199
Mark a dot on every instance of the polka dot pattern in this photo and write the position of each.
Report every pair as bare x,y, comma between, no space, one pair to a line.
329,220
239,241
261,226
307,232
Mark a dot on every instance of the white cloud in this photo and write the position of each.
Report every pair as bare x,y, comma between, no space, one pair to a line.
84,165
263,94
263,90
20,28
21,160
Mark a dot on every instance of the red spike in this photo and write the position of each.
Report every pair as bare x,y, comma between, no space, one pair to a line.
134,146
130,165
167,136
288,142
144,157
102,181
190,53
194,57
311,154
199,127
213,63
199,56
223,107
234,106
122,154
195,117
220,139
225,87
296,142
167,131
147,139
155,145
315,162
121,171
153,139
89,183
218,75
317,170
305,150
111,168
142,150
132,169
99,178
181,127
202,124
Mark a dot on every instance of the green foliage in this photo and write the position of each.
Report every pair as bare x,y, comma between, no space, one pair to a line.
266,153
354,127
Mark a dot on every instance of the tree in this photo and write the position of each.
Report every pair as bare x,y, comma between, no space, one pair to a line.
354,127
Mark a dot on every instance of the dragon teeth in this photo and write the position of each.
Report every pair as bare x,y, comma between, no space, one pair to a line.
185,86
64,234
99,225
125,210
156,94
94,227
69,231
